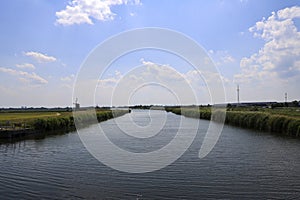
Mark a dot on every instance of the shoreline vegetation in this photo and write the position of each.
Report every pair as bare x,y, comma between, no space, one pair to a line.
19,124
285,121
22,124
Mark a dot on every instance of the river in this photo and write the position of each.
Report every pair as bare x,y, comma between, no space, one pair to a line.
244,164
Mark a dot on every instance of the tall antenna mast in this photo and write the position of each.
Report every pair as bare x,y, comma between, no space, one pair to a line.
238,94
285,97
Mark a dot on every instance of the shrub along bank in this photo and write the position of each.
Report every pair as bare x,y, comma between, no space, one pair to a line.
67,122
257,120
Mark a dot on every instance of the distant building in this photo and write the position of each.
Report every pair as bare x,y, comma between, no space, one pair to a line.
77,105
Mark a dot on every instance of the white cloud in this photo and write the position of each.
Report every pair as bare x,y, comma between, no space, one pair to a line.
24,76
278,59
39,57
111,81
67,81
274,69
25,66
68,78
83,11
160,72
118,73
221,58
289,13
227,59
153,83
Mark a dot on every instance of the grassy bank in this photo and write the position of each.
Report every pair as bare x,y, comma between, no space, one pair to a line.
51,121
285,120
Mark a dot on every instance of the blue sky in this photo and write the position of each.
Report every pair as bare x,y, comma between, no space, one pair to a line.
44,42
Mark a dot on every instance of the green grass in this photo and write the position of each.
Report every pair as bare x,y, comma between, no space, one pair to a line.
286,111
49,121
279,120
27,116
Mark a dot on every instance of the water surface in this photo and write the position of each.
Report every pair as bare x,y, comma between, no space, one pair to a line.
243,165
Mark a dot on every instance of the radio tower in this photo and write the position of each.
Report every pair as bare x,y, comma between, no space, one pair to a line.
285,97
238,95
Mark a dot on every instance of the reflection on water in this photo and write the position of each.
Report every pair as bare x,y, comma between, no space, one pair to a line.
243,164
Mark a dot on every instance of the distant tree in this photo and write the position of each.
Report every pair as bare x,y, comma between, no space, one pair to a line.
276,105
295,103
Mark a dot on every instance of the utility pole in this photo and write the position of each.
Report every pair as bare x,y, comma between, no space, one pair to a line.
238,94
285,97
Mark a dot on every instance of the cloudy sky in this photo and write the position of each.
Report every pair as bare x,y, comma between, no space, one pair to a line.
253,43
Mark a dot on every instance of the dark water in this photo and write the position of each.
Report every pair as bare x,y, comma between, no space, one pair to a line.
243,165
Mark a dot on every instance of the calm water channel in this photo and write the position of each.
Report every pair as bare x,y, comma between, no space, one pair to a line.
243,165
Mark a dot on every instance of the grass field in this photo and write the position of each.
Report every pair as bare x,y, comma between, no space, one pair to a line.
46,120
284,111
28,116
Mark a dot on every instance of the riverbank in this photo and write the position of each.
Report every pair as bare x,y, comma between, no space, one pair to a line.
284,121
18,125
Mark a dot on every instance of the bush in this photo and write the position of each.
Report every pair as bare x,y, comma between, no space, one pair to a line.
256,120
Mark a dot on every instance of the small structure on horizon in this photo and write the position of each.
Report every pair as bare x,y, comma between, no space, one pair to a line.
286,97
238,95
77,105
